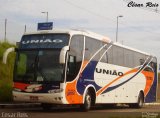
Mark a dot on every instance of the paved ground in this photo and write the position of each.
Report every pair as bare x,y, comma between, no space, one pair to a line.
97,112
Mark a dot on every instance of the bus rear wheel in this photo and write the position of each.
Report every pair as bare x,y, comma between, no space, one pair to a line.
140,102
87,102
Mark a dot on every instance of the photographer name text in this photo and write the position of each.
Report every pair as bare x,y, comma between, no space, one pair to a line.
14,115
147,4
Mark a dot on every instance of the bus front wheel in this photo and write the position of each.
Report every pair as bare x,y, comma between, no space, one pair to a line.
87,102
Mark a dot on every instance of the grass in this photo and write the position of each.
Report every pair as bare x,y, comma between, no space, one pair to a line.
6,73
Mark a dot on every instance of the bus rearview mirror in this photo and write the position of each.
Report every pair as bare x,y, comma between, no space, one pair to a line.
5,54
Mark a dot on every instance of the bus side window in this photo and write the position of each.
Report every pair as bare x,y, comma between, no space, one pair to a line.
75,56
71,70
153,66
141,61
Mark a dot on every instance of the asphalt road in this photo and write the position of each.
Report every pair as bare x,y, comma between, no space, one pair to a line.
74,112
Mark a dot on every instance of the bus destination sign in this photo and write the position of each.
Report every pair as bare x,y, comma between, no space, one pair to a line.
45,26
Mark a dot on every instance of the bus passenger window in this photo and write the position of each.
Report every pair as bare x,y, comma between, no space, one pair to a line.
153,65
141,61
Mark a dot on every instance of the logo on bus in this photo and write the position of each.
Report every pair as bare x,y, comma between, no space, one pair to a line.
42,41
70,92
109,72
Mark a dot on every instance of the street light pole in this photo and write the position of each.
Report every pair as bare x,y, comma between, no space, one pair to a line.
47,15
5,32
25,28
117,27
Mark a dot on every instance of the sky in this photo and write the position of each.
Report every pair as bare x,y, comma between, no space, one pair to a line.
138,28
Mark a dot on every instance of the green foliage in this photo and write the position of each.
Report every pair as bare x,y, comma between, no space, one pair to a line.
6,73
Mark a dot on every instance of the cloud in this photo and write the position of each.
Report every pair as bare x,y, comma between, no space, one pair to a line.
136,27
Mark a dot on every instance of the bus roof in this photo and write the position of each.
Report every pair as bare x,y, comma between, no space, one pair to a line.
86,33
73,32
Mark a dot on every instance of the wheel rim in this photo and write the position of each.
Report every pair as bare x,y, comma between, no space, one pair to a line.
88,101
140,102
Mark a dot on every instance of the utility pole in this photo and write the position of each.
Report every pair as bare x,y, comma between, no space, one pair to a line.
46,15
117,27
5,32
25,28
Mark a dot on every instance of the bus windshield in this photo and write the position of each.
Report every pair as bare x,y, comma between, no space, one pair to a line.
38,66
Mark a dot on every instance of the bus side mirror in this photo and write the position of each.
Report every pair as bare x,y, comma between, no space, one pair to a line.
63,52
5,54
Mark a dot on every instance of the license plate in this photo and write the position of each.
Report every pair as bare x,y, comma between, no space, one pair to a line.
34,98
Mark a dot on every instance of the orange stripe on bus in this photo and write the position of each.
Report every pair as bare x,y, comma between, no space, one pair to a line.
71,94
106,40
149,81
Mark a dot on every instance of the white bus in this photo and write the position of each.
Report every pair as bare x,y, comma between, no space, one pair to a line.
81,68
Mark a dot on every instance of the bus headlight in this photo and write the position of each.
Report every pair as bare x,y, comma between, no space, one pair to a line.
55,91
16,89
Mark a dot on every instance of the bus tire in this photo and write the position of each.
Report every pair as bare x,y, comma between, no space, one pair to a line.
87,102
2,106
46,106
140,101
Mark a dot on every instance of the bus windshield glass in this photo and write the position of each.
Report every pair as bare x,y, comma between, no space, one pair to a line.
38,66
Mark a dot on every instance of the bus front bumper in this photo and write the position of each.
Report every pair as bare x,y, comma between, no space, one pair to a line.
53,98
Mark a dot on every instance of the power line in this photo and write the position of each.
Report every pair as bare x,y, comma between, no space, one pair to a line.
132,27
107,18
89,11
148,9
